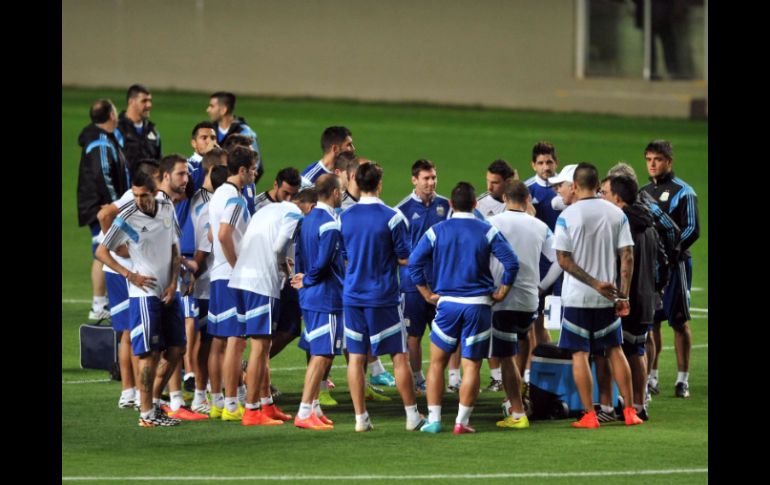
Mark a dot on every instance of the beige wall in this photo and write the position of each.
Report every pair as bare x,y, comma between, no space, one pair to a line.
506,53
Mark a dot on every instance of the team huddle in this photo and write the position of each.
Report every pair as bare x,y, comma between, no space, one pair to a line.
197,265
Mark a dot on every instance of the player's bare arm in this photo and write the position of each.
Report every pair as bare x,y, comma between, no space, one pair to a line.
225,237
605,288
141,281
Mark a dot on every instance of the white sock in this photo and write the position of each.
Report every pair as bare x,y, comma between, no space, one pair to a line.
242,394
463,414
317,408
682,377
266,401
607,409
176,400
418,376
507,405
148,414
454,377
231,403
200,397
208,386
518,415
99,303
252,406
138,396
156,402
127,393
376,367
411,413
526,376
362,418
497,374
188,375
654,375
434,414
218,400
305,410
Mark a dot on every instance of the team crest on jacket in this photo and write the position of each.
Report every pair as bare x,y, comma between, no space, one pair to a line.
664,196
440,211
167,222
151,136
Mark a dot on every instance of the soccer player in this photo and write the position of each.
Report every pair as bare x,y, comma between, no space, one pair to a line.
352,193
590,235
375,238
228,220
677,199
102,178
334,140
136,134
319,280
149,229
258,276
422,208
458,251
512,318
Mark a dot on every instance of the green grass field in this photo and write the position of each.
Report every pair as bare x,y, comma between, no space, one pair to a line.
103,443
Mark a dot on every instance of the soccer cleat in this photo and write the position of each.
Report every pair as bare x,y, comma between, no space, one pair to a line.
643,415
330,384
255,417
234,416
102,314
509,422
126,402
189,384
159,411
274,412
203,408
588,420
385,379
157,420
312,422
605,417
432,428
374,394
326,399
216,413
462,429
630,416
452,389
185,414
415,425
324,419
365,426
420,389
274,392
494,385
653,387
682,390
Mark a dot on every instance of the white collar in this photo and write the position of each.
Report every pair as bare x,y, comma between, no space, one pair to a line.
463,215
541,182
323,167
418,199
326,207
370,200
195,157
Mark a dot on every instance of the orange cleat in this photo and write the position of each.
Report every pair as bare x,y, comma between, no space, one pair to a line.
589,420
255,417
185,414
312,422
274,412
324,419
631,418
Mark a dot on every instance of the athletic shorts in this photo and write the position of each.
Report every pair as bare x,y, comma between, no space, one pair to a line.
201,323
676,296
470,324
155,326
508,327
381,329
117,295
323,333
189,306
256,312
95,237
417,312
289,313
223,311
590,329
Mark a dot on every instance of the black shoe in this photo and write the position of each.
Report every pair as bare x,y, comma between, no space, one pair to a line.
494,385
682,390
605,417
643,415
189,384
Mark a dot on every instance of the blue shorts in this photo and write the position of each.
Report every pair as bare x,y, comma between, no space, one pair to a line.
472,324
223,311
201,323
256,313
418,313
95,230
508,327
382,329
189,306
289,312
590,329
323,333
676,297
117,295
155,326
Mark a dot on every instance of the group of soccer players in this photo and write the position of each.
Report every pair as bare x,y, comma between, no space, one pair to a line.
367,280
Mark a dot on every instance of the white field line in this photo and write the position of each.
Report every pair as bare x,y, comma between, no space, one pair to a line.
459,476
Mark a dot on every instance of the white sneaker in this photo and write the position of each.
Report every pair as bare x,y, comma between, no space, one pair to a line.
365,426
203,408
126,402
102,314
415,425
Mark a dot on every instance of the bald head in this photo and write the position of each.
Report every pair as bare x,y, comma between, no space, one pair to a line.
104,115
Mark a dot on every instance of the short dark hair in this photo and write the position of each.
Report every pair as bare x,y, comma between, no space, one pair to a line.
202,124
225,98
240,157
661,146
135,89
290,175
544,148
368,176
586,176
101,110
167,163
353,165
326,183
219,176
342,160
237,140
625,188
307,195
143,179
145,165
211,158
333,135
463,197
502,168
422,165
516,191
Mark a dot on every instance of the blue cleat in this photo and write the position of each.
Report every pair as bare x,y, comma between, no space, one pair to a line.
431,428
385,379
